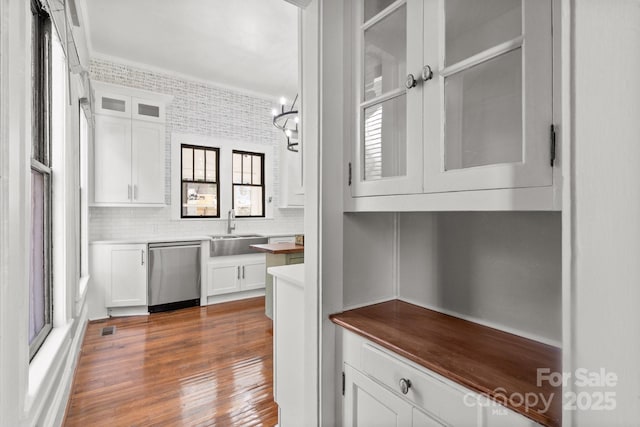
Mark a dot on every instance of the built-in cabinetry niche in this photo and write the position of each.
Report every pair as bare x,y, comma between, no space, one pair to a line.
502,269
448,98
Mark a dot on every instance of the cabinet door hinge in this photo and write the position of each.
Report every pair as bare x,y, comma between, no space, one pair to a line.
349,174
343,383
553,144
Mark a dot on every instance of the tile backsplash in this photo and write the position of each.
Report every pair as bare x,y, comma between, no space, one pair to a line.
200,109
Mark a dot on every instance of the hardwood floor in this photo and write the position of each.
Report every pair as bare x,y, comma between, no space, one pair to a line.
201,366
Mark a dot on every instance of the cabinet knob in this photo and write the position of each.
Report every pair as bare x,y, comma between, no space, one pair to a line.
410,82
427,73
405,385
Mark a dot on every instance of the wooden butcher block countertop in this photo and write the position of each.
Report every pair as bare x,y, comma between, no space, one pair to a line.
485,360
279,248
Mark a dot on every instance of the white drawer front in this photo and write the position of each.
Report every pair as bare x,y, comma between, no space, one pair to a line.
427,392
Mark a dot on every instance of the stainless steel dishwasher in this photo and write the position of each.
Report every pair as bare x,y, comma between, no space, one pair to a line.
174,275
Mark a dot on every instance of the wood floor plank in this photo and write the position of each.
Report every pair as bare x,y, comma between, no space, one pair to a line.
201,366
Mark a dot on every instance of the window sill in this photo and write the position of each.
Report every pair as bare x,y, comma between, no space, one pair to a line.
82,287
46,362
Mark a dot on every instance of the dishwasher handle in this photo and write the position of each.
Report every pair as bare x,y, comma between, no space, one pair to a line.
182,244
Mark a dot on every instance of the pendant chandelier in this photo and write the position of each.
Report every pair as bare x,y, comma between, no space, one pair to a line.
287,121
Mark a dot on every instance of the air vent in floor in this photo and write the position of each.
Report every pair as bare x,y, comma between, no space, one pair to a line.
108,330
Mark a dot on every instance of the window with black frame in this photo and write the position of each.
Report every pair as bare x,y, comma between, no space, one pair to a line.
248,184
40,277
200,190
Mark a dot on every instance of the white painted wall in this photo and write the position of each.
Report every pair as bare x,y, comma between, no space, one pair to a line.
369,258
604,290
314,345
15,125
331,202
33,393
498,268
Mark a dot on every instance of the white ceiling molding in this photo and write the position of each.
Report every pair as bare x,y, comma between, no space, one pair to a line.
249,44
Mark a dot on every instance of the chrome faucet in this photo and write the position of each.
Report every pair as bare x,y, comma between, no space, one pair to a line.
231,216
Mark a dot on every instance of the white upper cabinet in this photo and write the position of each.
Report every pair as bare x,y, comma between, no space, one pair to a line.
147,164
291,178
112,160
129,147
488,109
451,96
388,110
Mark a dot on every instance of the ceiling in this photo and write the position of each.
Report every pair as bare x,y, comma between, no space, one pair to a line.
246,44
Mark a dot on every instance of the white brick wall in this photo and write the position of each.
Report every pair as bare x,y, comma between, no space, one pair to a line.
199,109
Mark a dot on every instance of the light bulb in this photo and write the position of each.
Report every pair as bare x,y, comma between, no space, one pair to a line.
283,100
297,119
274,112
288,133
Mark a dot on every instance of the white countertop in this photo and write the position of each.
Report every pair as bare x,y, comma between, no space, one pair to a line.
291,273
156,239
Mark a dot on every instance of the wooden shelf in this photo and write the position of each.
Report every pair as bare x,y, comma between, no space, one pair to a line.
485,360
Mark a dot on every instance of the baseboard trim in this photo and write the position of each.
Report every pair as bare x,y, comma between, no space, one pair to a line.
58,410
217,299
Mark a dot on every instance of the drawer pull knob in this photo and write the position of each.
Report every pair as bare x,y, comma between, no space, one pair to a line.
405,385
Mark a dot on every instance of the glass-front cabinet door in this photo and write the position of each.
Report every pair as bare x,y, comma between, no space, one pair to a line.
488,126
387,156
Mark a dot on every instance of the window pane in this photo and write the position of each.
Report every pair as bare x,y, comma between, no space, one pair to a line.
484,114
37,279
246,168
474,26
199,199
247,200
257,170
385,146
373,7
385,59
210,173
187,164
237,168
198,165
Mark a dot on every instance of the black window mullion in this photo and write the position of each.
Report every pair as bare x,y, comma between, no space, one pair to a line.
252,183
203,181
251,174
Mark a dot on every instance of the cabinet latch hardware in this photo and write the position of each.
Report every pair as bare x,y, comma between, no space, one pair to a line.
553,144
343,383
349,174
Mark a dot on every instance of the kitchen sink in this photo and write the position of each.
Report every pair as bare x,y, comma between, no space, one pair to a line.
235,244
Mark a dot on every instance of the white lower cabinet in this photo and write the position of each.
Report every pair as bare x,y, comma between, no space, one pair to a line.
383,389
368,404
420,419
119,272
288,346
236,273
